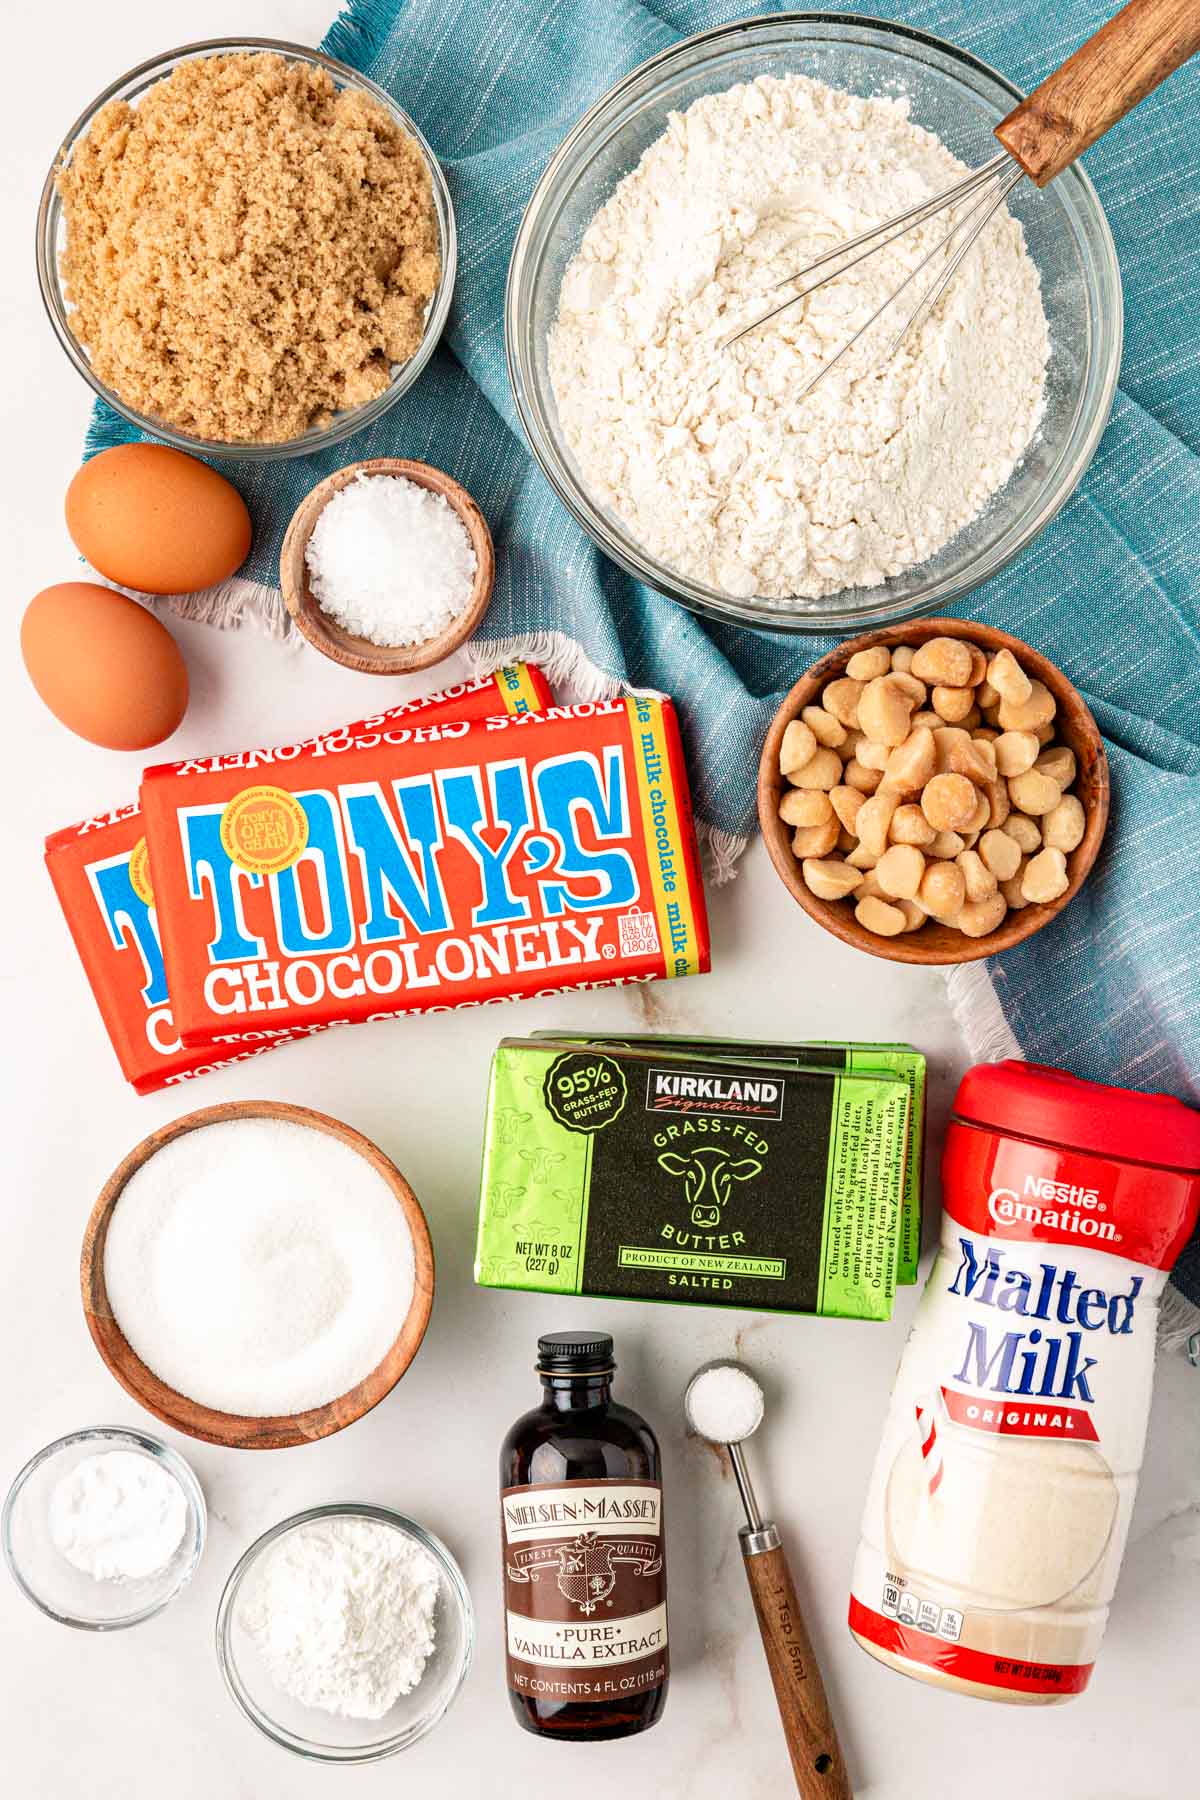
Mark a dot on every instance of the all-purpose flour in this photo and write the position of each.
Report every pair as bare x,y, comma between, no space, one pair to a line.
708,457
342,1612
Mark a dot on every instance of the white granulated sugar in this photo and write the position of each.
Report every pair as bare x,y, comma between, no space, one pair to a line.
342,1612
259,1266
117,1516
724,1404
708,457
390,560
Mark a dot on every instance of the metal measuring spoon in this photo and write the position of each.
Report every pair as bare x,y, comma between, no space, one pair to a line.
727,1413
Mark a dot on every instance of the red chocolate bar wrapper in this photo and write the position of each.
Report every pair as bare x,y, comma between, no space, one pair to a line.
101,875
428,869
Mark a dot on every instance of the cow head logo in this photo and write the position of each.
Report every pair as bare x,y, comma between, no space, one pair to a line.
708,1174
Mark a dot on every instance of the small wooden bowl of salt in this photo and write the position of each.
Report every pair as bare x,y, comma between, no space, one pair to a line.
396,575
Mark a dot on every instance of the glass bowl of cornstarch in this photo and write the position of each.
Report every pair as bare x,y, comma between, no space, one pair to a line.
103,1528
671,217
345,1632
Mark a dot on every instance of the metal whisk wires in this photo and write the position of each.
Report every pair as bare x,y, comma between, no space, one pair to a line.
986,189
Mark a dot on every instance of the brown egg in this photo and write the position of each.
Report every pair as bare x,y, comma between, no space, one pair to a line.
156,520
104,665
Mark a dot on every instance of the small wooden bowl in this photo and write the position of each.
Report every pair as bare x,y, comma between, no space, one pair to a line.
935,943
234,1430
330,638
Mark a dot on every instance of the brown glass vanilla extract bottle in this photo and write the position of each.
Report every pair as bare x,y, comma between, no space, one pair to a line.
585,1587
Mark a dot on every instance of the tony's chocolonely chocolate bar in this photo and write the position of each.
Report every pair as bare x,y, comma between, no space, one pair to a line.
894,1059
425,868
634,1175
101,875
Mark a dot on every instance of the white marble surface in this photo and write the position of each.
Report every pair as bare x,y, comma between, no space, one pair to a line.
143,1714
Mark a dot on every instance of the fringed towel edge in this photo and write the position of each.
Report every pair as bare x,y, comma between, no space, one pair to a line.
978,1014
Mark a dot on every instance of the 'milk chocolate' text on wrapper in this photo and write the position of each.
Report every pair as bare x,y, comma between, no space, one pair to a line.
425,867
644,1175
101,873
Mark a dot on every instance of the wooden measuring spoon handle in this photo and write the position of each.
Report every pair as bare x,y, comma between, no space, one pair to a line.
807,1722
1106,78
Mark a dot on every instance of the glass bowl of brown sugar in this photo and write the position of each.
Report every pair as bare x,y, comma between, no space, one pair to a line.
236,380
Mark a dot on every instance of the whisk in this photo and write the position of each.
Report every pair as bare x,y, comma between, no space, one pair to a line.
1105,78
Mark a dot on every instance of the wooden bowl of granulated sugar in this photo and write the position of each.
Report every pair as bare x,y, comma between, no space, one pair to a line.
433,585
257,1275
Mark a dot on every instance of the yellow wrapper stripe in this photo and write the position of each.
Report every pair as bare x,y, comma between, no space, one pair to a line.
516,689
664,847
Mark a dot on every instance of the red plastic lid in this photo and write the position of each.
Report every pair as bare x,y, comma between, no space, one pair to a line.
1033,1101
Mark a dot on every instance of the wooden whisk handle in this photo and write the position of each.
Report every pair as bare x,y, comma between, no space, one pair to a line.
807,1722
1106,78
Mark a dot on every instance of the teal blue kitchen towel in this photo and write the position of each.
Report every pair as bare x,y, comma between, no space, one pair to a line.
1110,990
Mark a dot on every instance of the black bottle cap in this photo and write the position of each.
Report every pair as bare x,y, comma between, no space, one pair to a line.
575,1353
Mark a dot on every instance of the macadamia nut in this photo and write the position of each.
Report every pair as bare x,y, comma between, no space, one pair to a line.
884,710
805,806
824,727
911,764
942,891
943,662
948,802
846,803
798,747
1001,853
823,770
1063,826
978,917
865,665
1016,751
1045,877
1009,679
841,699
1032,714
910,826
1034,793
815,840
830,880
978,878
881,918
899,871
1025,831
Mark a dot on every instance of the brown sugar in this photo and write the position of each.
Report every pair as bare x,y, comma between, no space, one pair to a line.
250,249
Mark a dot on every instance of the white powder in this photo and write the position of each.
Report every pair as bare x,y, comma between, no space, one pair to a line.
341,1610
390,561
118,1516
259,1266
708,457
724,1404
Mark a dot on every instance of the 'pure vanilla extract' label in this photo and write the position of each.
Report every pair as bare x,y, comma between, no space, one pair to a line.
584,1590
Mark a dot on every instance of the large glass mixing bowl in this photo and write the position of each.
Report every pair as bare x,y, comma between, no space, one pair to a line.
952,94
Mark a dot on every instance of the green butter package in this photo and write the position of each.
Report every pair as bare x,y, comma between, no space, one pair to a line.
640,1173
895,1059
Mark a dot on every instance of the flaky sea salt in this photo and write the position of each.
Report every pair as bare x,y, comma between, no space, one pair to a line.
390,561
259,1266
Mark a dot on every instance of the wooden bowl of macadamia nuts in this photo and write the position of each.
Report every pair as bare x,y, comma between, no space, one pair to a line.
933,792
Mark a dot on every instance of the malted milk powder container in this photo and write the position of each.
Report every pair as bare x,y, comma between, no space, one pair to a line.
999,1505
